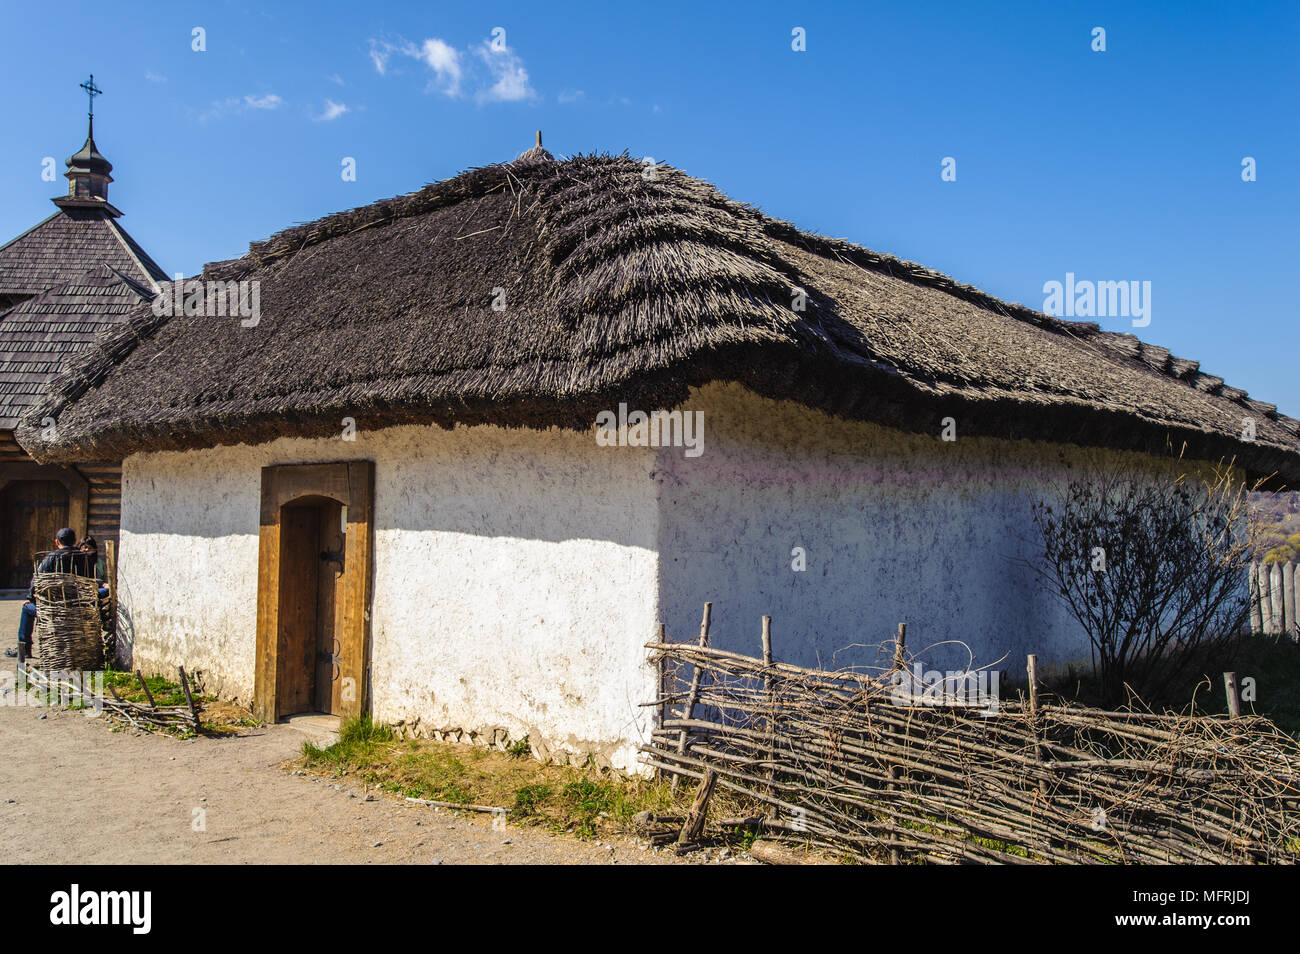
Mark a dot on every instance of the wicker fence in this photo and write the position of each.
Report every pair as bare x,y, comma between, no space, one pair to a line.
869,766
68,633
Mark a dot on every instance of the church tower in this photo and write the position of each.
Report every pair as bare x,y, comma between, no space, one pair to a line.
63,282
89,173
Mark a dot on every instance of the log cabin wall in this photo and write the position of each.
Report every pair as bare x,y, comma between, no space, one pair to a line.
10,452
104,514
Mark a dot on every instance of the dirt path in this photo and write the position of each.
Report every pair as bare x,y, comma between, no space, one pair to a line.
72,791
11,607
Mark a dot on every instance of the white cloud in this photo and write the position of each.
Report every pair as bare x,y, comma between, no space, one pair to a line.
233,105
381,50
153,77
502,76
331,112
510,78
571,97
269,101
336,79
445,63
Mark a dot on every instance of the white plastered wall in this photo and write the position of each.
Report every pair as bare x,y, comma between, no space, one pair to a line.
514,579
518,574
895,527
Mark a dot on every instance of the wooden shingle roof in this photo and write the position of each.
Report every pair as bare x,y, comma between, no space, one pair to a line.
72,275
39,334
65,246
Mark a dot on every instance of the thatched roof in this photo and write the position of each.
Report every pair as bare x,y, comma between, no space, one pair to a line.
620,285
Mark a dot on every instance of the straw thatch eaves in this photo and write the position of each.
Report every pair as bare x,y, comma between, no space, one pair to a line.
621,285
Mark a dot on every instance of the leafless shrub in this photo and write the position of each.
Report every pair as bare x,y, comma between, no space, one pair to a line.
1153,571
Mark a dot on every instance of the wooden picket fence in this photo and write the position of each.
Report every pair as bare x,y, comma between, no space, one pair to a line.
1273,599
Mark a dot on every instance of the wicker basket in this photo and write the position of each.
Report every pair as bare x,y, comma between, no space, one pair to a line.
67,623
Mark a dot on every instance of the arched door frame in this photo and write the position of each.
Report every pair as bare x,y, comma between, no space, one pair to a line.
78,487
351,483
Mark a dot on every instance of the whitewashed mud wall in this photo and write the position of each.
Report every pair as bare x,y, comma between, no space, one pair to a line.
896,528
518,574
514,586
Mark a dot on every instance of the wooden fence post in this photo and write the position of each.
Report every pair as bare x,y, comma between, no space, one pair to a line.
769,691
189,697
1031,665
145,686
1265,600
661,667
1275,598
1288,598
898,646
688,709
1234,699
110,571
1256,606
693,826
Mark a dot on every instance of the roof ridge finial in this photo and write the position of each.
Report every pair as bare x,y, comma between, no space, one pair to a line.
536,152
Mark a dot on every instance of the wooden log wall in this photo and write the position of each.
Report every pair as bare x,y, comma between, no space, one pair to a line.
104,517
10,452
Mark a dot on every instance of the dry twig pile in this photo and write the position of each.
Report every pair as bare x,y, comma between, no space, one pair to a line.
56,687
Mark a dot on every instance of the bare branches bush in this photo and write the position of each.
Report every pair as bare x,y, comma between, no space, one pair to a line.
1154,571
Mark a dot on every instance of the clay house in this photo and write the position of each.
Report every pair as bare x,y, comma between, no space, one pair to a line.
394,493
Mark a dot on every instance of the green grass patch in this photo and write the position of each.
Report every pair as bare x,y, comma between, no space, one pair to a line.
583,801
164,691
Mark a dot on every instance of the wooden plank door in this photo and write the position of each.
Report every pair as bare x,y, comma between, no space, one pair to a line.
31,513
329,647
305,605
296,645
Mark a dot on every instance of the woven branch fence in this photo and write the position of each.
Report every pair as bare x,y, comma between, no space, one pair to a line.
67,621
839,763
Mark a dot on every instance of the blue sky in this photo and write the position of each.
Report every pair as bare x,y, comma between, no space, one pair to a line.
1123,165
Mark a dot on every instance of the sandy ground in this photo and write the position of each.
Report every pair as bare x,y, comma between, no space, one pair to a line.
10,608
74,791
